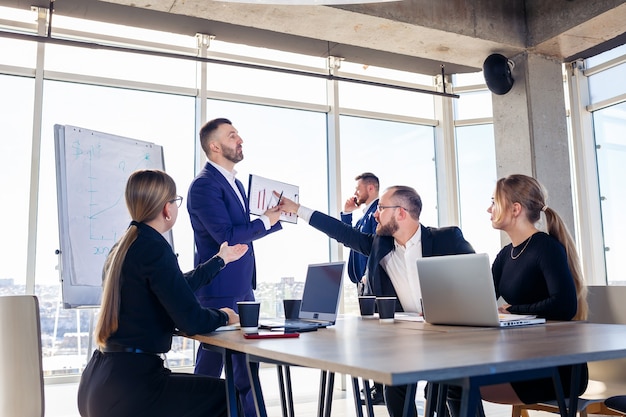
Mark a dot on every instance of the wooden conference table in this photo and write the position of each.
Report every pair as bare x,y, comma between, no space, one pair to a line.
407,352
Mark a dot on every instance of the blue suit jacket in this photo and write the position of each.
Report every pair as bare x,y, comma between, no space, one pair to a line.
217,216
367,224
435,242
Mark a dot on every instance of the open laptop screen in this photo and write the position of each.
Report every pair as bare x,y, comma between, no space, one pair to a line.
322,291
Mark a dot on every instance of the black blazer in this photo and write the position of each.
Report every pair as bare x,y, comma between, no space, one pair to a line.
435,242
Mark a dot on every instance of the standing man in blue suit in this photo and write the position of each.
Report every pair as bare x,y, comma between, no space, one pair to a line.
392,253
365,192
218,207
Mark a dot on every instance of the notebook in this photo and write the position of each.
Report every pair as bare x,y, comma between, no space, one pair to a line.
459,290
320,300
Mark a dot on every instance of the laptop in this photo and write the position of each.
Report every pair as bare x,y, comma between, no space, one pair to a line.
459,290
320,300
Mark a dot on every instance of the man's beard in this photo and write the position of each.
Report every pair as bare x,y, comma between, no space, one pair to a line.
387,229
361,199
232,155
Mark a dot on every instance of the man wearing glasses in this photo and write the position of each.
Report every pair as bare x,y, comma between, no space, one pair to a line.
393,250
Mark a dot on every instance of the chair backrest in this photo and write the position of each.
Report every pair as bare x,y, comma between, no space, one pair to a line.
21,371
607,305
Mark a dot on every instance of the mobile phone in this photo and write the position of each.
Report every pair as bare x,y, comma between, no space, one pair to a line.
270,335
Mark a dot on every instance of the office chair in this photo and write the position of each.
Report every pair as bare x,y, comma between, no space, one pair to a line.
21,370
616,403
606,378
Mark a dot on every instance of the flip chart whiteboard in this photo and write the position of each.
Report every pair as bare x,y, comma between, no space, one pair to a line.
92,170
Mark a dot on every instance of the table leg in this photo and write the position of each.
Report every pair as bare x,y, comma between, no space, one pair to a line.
286,393
409,400
573,390
257,394
357,397
330,386
231,391
322,395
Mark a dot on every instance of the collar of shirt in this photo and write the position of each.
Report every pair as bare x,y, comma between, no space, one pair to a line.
367,207
229,175
416,239
401,267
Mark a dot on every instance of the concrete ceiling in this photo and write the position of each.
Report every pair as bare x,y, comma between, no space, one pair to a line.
414,35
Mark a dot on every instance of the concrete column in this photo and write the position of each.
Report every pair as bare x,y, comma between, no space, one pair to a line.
530,129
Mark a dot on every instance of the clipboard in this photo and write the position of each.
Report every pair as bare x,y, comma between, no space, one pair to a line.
261,196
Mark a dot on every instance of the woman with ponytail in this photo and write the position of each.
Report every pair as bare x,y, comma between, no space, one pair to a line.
145,299
537,273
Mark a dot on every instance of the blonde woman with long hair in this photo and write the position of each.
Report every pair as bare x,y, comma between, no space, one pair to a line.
145,299
537,273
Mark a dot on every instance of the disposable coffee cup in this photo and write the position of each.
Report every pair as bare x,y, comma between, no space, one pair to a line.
386,309
292,308
249,316
367,304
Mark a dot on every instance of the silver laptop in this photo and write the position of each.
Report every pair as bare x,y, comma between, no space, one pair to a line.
459,290
320,300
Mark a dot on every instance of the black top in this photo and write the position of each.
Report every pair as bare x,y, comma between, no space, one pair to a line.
157,298
538,281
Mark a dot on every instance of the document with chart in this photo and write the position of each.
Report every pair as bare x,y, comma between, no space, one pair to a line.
261,196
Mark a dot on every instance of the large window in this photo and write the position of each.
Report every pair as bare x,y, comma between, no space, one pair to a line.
398,154
476,161
156,99
164,119
16,116
289,146
477,173
610,134
609,129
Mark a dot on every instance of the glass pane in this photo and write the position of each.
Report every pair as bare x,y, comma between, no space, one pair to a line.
386,73
606,56
269,84
474,105
18,53
121,65
610,131
398,154
122,31
167,120
288,146
476,158
16,119
267,54
472,78
386,100
607,84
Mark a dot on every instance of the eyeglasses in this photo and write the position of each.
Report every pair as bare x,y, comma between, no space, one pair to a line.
381,208
178,200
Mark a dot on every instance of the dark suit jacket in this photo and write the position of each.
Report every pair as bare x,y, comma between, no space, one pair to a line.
366,224
217,216
435,242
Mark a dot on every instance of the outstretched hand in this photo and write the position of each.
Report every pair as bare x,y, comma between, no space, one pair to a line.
287,205
232,253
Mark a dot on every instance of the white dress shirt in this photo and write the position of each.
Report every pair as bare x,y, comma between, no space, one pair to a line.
230,177
401,266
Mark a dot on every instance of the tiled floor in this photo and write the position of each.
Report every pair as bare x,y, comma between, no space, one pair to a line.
61,398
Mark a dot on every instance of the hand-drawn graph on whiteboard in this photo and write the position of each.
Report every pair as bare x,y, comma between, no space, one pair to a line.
92,170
